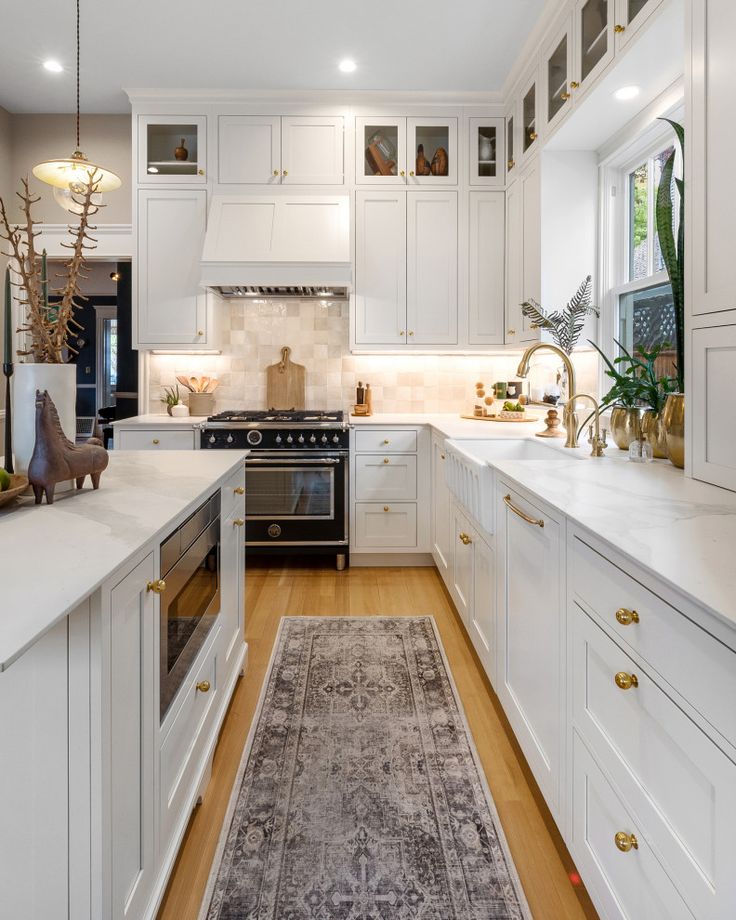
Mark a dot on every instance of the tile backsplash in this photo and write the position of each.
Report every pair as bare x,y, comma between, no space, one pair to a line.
318,334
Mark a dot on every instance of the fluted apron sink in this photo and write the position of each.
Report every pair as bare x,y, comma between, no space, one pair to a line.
470,478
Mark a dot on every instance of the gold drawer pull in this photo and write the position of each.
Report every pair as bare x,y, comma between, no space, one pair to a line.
156,441
538,522
626,842
464,538
386,460
386,441
626,681
239,490
203,686
238,522
626,617
157,587
385,508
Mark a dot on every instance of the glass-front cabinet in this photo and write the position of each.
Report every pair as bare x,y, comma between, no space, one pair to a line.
172,149
529,127
405,151
557,71
510,144
630,15
486,148
594,45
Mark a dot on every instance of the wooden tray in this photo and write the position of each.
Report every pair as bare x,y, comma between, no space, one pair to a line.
495,418
18,485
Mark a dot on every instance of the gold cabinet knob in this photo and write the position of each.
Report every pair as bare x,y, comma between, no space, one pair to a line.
574,84
385,508
510,164
511,332
239,490
564,96
626,617
385,460
401,332
532,135
238,522
200,331
200,172
157,587
411,172
156,441
464,538
626,842
402,173
411,333
442,456
625,681
275,172
203,686
618,28
285,172
386,441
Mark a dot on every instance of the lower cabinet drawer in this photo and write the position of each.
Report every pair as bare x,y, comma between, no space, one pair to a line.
628,883
148,439
679,784
184,742
233,494
385,526
396,440
388,478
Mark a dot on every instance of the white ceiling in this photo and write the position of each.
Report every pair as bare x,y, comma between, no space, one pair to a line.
433,45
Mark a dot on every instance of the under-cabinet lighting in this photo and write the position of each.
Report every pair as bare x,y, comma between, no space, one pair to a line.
626,92
53,66
347,66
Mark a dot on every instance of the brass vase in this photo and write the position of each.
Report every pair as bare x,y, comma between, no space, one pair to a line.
673,418
625,426
652,428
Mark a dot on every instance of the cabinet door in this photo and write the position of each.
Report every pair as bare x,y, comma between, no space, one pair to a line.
713,413
232,559
482,624
441,545
514,262
380,268
486,268
431,268
130,627
711,243
312,150
529,122
511,144
557,79
532,250
486,148
172,149
462,568
249,149
171,306
631,16
530,635
380,151
593,32
431,154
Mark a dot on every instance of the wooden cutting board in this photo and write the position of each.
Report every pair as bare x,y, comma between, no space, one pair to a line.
285,383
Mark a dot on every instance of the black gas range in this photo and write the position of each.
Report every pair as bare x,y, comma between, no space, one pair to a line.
296,477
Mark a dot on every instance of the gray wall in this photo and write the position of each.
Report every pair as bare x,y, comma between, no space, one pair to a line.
5,187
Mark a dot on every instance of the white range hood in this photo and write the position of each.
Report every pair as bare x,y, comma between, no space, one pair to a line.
278,245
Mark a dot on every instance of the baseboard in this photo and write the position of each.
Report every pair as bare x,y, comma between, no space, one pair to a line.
390,560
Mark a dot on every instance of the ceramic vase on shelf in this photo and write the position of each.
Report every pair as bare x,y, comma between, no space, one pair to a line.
673,418
625,426
652,428
61,382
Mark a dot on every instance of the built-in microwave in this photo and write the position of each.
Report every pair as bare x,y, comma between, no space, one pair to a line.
190,596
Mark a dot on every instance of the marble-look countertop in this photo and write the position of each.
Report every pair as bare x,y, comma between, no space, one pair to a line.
451,425
52,557
164,420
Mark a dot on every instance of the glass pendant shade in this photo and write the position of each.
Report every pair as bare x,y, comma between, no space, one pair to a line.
75,172
70,200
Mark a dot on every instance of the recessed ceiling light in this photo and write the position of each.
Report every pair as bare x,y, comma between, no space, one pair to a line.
52,66
626,92
347,66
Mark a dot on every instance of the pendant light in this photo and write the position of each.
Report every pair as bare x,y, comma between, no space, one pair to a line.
70,177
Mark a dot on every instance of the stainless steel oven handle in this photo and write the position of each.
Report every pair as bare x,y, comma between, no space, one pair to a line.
296,461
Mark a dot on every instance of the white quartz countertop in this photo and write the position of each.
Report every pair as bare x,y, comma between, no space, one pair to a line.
160,421
451,425
54,556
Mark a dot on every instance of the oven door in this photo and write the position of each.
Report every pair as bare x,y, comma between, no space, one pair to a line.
190,604
296,498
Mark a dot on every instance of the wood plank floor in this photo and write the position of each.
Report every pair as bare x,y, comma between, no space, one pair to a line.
276,588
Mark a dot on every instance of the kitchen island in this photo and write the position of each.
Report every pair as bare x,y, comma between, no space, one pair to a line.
99,780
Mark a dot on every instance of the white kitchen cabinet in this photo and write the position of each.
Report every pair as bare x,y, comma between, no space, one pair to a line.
462,567
232,561
531,629
594,41
528,120
557,75
512,144
436,140
441,500
276,149
713,411
631,16
380,150
129,624
711,138
171,308
392,477
387,151
486,268
523,252
486,151
431,282
172,149
155,438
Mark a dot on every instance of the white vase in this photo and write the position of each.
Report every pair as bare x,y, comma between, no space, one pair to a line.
61,382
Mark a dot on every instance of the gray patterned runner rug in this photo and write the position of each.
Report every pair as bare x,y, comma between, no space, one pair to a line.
360,795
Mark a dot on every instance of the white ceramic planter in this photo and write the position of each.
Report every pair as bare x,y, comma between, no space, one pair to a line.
61,382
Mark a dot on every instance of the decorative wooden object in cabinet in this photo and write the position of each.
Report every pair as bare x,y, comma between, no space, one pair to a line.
487,151
631,16
386,151
530,629
171,307
435,135
711,140
159,141
441,501
486,268
713,412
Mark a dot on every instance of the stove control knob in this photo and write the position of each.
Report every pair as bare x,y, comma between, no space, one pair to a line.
278,438
290,440
324,438
230,439
301,438
212,439
254,437
313,439
335,439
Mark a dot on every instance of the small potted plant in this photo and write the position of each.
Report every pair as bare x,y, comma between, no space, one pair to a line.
171,398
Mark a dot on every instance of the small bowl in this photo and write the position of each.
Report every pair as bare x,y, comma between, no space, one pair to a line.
18,485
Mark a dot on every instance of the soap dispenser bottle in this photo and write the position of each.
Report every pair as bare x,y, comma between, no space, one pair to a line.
640,451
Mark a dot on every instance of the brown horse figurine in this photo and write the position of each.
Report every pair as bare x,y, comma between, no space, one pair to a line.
56,459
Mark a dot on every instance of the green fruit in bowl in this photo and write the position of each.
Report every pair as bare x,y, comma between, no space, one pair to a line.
4,480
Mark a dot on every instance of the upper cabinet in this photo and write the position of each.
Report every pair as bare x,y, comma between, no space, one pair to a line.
557,75
528,119
594,39
511,145
630,16
405,151
486,268
172,149
280,150
486,148
523,253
